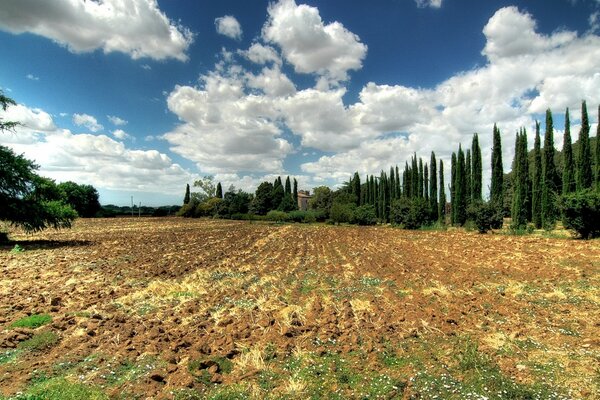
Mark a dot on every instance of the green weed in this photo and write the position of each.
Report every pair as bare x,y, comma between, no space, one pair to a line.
61,389
32,321
39,342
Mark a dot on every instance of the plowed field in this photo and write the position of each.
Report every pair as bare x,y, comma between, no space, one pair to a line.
174,308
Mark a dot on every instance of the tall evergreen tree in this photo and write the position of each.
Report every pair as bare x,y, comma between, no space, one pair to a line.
219,193
536,187
398,184
476,169
453,184
356,187
373,190
468,177
442,202
295,192
392,184
414,184
426,182
406,177
497,188
584,159
568,175
519,200
461,188
550,176
597,175
420,181
186,198
288,186
433,191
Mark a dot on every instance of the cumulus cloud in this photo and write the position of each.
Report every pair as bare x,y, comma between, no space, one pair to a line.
92,159
135,27
116,120
88,121
229,26
261,54
121,134
329,50
429,3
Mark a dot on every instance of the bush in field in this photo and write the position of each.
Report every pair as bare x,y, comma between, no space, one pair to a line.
188,210
302,216
485,216
365,215
410,213
342,212
581,213
277,216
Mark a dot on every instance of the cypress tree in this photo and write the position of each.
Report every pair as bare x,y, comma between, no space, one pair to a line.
288,186
406,176
386,200
420,181
584,159
219,193
518,209
461,188
295,193
426,182
186,198
453,184
468,177
497,188
398,186
442,202
597,175
476,170
414,184
392,184
536,189
568,175
356,187
549,179
373,191
433,191
526,176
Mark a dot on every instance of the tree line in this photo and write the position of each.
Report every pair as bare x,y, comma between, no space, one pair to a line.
543,186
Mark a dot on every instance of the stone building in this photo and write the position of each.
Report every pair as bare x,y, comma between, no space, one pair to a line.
303,197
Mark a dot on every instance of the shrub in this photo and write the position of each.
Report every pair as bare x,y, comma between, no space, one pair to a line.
365,215
485,216
302,216
342,212
581,213
410,213
188,210
277,216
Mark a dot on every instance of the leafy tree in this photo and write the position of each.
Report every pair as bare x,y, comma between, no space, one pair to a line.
497,188
342,212
581,212
442,202
236,202
550,176
365,215
536,189
584,159
219,191
410,213
82,198
186,198
5,102
321,201
28,200
263,199
476,169
568,175
433,191
207,187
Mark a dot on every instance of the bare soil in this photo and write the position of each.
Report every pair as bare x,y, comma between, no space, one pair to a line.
161,307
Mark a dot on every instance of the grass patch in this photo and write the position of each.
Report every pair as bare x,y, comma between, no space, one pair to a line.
32,321
39,342
61,389
8,356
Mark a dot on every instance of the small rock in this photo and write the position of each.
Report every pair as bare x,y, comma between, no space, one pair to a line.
216,378
213,369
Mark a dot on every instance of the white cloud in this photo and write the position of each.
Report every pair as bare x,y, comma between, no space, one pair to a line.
121,134
429,3
594,21
329,50
146,67
272,82
88,121
116,120
261,54
32,77
229,26
135,27
92,159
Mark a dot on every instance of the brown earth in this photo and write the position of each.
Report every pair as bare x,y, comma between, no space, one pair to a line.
149,306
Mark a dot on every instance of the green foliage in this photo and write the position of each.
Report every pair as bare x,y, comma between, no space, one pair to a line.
584,159
186,197
365,215
4,103
342,212
410,213
581,213
442,202
568,175
321,201
277,216
497,186
263,201
302,216
536,187
189,209
82,198
520,182
433,188
219,191
476,169
485,215
287,204
32,321
550,179
207,187
61,389
236,202
209,207
460,192
17,248
40,341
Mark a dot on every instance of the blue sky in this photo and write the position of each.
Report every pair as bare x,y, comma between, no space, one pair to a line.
141,103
